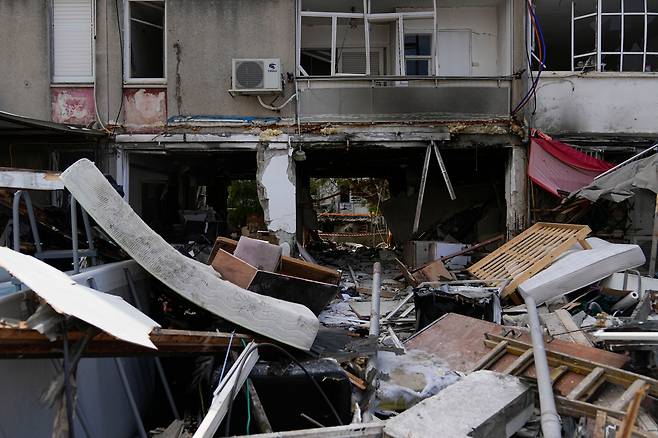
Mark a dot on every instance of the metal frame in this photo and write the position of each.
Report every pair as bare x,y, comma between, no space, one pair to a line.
599,52
369,17
127,79
75,252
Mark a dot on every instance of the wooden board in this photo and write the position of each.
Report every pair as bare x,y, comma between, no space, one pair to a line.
528,253
459,341
290,323
27,343
289,265
233,269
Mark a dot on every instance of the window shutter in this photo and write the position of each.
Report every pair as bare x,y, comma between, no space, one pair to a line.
355,63
72,41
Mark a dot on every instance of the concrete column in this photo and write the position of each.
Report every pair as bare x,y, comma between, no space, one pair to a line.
516,190
275,179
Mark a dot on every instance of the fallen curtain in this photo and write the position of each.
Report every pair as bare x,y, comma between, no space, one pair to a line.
560,169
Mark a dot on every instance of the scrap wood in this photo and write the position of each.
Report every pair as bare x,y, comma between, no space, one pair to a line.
28,343
458,340
528,253
632,412
289,265
290,323
356,381
464,251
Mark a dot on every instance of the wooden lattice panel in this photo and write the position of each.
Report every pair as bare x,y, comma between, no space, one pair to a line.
529,252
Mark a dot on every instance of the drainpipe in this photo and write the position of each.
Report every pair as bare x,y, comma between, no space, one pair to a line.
550,420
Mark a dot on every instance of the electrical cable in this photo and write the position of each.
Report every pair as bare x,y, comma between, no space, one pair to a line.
542,52
293,359
116,119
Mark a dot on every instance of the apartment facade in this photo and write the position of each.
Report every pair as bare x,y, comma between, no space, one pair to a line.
197,93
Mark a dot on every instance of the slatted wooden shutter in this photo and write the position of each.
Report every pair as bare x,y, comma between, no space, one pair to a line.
72,41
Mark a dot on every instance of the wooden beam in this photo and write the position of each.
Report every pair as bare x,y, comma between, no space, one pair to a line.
27,343
575,332
631,414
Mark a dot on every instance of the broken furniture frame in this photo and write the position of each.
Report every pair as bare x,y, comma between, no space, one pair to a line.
596,375
52,183
423,181
528,253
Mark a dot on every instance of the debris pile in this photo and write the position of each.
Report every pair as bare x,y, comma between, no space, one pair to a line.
552,333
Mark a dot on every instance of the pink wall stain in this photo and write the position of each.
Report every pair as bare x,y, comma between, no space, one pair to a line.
74,105
145,110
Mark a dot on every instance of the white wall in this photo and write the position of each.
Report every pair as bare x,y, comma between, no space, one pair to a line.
597,103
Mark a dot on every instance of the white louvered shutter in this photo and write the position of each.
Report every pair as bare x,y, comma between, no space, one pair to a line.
72,41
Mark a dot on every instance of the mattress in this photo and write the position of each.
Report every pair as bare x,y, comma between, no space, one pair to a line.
581,268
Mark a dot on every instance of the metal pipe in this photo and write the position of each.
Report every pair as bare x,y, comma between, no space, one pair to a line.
33,221
90,238
74,235
623,163
550,420
131,398
15,220
375,308
158,363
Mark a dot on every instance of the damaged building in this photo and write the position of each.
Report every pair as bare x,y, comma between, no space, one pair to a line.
373,206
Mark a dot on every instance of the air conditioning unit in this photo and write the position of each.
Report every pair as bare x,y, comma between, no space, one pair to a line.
256,76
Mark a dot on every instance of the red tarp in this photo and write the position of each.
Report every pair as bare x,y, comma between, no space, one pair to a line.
556,166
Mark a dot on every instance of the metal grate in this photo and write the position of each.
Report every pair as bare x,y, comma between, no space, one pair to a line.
249,74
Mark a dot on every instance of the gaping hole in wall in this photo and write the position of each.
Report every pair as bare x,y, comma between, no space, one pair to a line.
336,195
147,20
196,197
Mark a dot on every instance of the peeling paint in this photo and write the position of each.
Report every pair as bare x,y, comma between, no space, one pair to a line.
145,110
73,105
269,134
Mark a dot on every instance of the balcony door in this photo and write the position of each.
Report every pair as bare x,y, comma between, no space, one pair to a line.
454,51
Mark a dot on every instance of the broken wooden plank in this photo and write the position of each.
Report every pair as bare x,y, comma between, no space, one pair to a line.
107,312
355,430
233,269
633,410
588,385
290,323
573,330
627,396
28,179
28,343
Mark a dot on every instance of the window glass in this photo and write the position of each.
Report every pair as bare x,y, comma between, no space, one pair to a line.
651,63
418,44
652,33
610,62
633,33
418,67
633,63
611,33
350,46
584,7
610,5
584,35
633,5
652,5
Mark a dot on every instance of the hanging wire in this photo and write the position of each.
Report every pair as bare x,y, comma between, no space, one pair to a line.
541,46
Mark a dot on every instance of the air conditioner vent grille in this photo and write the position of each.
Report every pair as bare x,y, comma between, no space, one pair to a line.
249,74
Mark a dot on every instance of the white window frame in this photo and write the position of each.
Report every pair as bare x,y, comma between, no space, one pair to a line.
367,18
599,53
92,33
127,79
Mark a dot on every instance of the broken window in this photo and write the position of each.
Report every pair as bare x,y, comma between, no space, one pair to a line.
145,38
606,35
72,22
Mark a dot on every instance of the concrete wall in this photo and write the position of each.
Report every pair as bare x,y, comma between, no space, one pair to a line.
208,34
25,65
597,103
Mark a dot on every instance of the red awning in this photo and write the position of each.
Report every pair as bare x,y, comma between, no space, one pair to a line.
557,167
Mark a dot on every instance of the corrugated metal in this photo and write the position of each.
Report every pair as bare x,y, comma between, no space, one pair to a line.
72,41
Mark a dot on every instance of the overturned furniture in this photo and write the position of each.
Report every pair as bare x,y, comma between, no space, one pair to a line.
281,277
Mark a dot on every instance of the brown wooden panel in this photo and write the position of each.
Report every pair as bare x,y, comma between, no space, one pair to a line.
233,269
459,341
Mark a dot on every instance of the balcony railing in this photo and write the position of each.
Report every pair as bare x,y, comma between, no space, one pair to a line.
385,98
